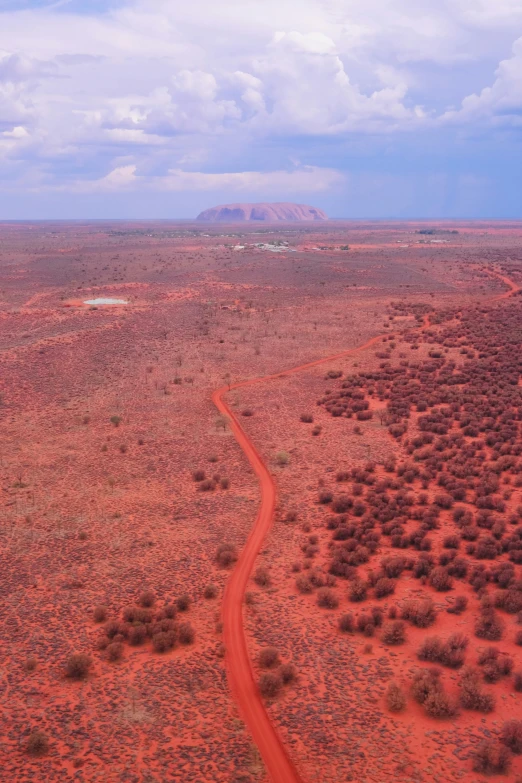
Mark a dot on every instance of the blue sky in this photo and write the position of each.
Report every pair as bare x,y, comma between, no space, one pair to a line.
156,108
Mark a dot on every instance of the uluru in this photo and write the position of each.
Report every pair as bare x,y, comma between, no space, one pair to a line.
266,212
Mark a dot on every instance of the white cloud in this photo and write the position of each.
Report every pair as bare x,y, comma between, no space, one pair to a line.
175,79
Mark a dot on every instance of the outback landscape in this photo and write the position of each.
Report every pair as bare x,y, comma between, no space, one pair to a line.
261,513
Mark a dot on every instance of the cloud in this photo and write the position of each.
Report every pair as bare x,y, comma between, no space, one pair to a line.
245,87
305,179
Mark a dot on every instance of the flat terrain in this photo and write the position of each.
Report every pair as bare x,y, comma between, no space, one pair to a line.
127,500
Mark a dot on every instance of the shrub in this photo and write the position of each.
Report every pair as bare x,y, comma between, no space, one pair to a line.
287,672
186,633
116,420
147,598
489,626
450,652
270,684
262,577
282,458
207,485
511,735
226,555
460,604
495,663
518,638
100,614
137,635
199,475
210,591
327,599
247,412
365,624
183,602
325,497
346,623
472,697
420,612
224,483
491,758
439,705
394,632
306,418
424,681
269,657
37,743
440,579
517,682
78,665
30,664
303,584
114,651
384,587
358,590
395,698
163,641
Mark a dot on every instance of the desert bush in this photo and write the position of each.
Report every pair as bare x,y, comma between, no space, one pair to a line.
199,475
440,579
30,664
491,758
170,610
489,626
270,684
341,504
346,622
226,555
262,577
472,697
163,641
183,602
37,743
517,682
420,612
287,672
224,483
282,458
327,599
210,591
495,664
137,635
358,590
384,587
511,735
114,651
306,418
459,605
303,584
424,681
186,633
247,412
207,485
449,653
439,705
147,598
269,657
395,698
394,632
342,475
99,614
325,497
78,665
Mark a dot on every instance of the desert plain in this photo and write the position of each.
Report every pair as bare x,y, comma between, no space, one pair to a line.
261,518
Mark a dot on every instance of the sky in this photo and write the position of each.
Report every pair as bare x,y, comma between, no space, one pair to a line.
162,108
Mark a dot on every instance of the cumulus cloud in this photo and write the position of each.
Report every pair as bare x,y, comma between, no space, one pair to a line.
166,86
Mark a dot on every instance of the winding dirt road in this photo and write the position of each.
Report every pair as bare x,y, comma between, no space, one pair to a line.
240,674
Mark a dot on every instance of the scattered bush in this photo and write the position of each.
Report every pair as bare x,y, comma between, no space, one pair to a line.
226,555
303,584
270,684
511,735
37,743
269,657
394,632
384,587
395,698
78,665
327,599
358,590
186,633
262,577
420,612
346,623
306,418
489,626
287,672
451,652
147,598
100,614
491,758
472,697
114,651
210,591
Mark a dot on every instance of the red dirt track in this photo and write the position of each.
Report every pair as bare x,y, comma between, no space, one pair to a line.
241,678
